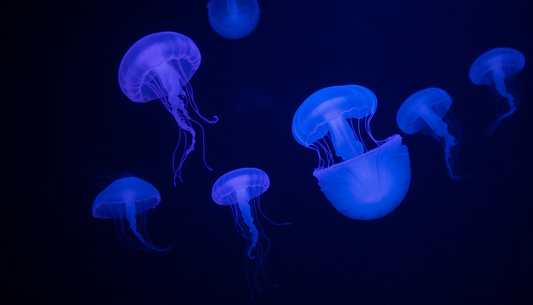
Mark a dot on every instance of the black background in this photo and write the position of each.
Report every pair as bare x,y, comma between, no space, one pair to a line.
469,242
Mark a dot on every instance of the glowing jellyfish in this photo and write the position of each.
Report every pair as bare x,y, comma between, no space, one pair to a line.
126,198
159,66
240,189
495,68
426,112
366,184
233,19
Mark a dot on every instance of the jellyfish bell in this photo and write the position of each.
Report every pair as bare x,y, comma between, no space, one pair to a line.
371,185
327,110
240,189
128,197
159,66
427,112
366,184
496,69
233,19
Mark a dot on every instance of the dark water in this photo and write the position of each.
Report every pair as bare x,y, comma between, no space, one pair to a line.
466,242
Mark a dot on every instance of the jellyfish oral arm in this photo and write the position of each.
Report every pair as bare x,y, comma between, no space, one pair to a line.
344,142
440,128
499,83
499,77
130,215
246,214
434,121
233,8
171,82
449,142
173,86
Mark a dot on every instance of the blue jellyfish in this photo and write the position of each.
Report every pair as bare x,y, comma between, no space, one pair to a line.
233,19
240,189
495,68
365,184
159,66
125,198
426,112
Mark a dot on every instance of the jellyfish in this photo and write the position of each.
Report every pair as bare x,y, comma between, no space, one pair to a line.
365,184
125,198
495,68
426,112
240,189
159,66
233,19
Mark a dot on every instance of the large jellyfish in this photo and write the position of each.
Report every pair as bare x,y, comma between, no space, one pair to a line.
495,68
233,19
426,112
159,66
240,189
125,198
366,184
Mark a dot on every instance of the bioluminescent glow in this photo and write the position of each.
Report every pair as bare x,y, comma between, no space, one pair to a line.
367,184
240,189
233,19
426,112
159,66
496,68
125,198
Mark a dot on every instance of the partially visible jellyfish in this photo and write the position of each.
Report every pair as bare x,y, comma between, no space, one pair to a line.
240,189
159,66
366,184
495,68
233,19
426,112
126,198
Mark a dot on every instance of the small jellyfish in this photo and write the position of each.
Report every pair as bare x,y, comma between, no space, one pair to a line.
426,112
159,66
240,189
366,184
125,198
495,68
233,19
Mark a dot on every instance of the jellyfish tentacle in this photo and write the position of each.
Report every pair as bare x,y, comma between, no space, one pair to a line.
187,92
182,120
